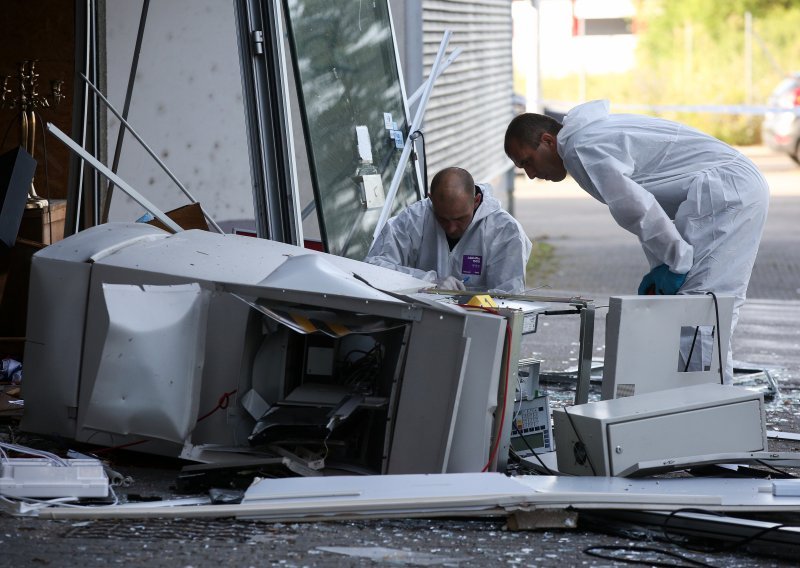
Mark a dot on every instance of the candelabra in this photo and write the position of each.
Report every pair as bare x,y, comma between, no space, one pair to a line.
28,100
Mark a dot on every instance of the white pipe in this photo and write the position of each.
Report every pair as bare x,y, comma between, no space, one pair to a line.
151,152
450,58
401,165
118,181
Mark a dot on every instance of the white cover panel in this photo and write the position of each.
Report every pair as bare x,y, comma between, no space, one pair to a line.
148,381
314,273
644,340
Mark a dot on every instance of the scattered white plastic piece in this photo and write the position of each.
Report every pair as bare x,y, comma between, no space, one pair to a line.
43,478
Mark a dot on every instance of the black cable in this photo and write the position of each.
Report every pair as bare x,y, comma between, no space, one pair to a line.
719,340
538,458
591,551
721,548
784,474
689,358
414,135
362,372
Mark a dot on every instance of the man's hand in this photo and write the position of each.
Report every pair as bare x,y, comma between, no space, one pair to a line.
450,283
661,281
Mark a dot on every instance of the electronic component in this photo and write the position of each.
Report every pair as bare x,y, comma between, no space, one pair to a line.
532,430
528,374
530,311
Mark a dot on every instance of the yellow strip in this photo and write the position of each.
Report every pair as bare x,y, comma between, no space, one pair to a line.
304,322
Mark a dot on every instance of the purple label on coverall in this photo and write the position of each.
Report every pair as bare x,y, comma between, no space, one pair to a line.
471,264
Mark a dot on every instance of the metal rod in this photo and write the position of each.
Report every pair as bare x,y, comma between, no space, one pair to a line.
502,296
450,58
585,356
401,164
135,195
95,143
150,151
79,186
308,209
126,106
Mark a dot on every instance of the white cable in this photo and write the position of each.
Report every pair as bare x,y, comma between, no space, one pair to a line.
32,452
415,124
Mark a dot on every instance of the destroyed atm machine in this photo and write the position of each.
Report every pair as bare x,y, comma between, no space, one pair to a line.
221,348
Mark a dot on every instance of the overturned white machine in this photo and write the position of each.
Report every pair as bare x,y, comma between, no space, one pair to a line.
210,347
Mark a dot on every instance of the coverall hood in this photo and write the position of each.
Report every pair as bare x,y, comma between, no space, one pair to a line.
574,121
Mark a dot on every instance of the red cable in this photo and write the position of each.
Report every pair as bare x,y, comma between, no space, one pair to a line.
222,404
505,398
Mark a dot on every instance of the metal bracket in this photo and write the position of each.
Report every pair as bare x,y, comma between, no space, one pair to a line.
257,38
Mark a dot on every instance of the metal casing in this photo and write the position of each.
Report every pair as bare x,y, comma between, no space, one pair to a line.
607,438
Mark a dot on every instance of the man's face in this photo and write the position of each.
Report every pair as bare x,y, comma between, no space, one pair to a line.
541,162
454,211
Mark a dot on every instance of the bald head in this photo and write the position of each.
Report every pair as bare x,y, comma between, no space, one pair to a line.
454,200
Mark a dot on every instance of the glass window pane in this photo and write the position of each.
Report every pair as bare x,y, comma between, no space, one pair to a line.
349,86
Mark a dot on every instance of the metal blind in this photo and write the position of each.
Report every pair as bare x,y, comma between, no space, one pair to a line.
470,106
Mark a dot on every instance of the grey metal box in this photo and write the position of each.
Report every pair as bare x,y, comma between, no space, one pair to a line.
610,437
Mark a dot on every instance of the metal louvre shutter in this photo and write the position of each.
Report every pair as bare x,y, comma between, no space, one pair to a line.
470,106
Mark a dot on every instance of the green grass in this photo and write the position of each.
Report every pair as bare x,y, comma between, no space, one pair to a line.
689,54
542,264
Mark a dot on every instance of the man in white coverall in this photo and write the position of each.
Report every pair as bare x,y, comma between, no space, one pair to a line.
697,205
459,238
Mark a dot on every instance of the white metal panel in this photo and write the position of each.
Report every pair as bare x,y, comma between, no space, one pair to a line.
148,379
472,435
430,394
730,427
188,108
470,106
55,328
644,340
476,494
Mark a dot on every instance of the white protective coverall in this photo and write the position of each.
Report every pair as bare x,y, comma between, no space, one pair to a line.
695,203
491,254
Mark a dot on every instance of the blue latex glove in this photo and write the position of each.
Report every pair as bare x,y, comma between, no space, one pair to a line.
661,281
648,284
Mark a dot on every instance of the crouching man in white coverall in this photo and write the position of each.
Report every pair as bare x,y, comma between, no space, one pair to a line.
459,238
697,205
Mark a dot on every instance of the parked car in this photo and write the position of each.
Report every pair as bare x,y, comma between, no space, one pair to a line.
781,127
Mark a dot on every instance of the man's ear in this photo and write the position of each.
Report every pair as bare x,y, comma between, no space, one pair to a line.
548,139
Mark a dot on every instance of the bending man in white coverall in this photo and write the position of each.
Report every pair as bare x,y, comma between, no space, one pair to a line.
697,205
458,238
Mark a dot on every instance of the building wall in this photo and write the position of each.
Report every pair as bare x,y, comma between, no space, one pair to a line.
189,110
563,53
471,103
